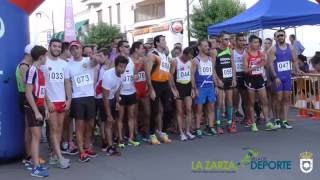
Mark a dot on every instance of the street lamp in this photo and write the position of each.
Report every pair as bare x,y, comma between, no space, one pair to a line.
40,13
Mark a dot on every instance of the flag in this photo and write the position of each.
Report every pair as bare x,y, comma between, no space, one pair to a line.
69,31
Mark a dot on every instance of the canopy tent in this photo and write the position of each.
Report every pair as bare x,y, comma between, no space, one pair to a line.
269,14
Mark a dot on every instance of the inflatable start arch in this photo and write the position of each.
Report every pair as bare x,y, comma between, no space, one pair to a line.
14,35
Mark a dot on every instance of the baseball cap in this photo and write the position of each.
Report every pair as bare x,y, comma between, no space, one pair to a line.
28,48
75,43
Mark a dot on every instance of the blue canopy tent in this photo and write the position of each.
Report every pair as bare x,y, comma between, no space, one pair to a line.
266,14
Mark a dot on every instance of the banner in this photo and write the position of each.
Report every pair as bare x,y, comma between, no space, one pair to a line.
69,31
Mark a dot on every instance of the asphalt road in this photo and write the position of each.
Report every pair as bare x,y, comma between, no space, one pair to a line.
174,161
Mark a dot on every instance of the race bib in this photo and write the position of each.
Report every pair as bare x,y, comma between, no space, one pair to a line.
83,80
257,71
127,79
284,66
184,75
42,91
165,65
205,70
227,72
141,76
56,76
239,67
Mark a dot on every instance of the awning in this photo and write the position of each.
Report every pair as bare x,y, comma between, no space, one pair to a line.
79,24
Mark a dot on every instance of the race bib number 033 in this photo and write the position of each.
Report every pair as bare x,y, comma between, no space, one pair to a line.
284,66
56,77
83,80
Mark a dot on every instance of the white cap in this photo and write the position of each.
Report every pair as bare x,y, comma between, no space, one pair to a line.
28,48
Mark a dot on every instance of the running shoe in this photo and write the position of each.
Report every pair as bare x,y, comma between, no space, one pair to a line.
285,125
190,136
39,172
232,128
133,143
270,126
248,123
139,138
199,133
121,144
84,157
164,138
53,159
64,147
63,163
104,147
219,130
91,153
254,127
112,151
154,140
238,114
183,137
277,123
212,131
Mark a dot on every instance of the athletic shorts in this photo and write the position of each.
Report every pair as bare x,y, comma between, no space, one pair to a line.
22,101
83,108
59,107
227,84
184,90
241,83
100,110
286,85
128,100
206,95
142,91
31,117
255,82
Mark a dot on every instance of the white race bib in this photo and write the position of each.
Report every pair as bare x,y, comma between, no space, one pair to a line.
141,76
227,72
239,67
127,79
42,91
257,71
284,66
56,76
83,80
205,70
165,65
184,75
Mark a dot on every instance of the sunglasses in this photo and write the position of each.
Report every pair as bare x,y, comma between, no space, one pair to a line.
127,46
226,39
280,35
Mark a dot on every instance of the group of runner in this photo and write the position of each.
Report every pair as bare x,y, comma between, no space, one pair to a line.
138,92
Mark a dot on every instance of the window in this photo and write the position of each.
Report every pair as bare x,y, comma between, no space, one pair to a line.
99,13
148,10
118,13
110,14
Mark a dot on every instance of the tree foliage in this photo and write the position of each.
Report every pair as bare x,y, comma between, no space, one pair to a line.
102,34
212,12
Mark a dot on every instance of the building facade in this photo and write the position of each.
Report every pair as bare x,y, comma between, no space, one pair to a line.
141,20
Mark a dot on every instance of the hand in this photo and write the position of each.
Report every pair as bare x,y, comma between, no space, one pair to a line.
38,116
110,118
51,107
278,82
47,114
220,83
234,83
117,106
175,93
300,73
67,105
194,93
152,94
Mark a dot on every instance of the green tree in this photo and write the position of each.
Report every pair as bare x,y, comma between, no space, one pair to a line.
212,12
102,34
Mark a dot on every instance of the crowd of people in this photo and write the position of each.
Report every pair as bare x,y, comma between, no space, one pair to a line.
136,94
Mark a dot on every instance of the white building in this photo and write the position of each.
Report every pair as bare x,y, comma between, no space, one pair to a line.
141,20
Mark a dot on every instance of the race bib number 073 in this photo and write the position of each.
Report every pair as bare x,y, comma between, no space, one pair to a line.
83,80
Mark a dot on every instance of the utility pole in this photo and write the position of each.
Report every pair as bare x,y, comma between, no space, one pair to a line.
188,21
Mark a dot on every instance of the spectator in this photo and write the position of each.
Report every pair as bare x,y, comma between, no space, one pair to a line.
296,44
303,65
176,51
315,61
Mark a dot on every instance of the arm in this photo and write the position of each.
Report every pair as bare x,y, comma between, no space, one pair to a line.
217,80
193,81
171,79
245,64
148,66
23,70
271,58
68,88
234,75
295,61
